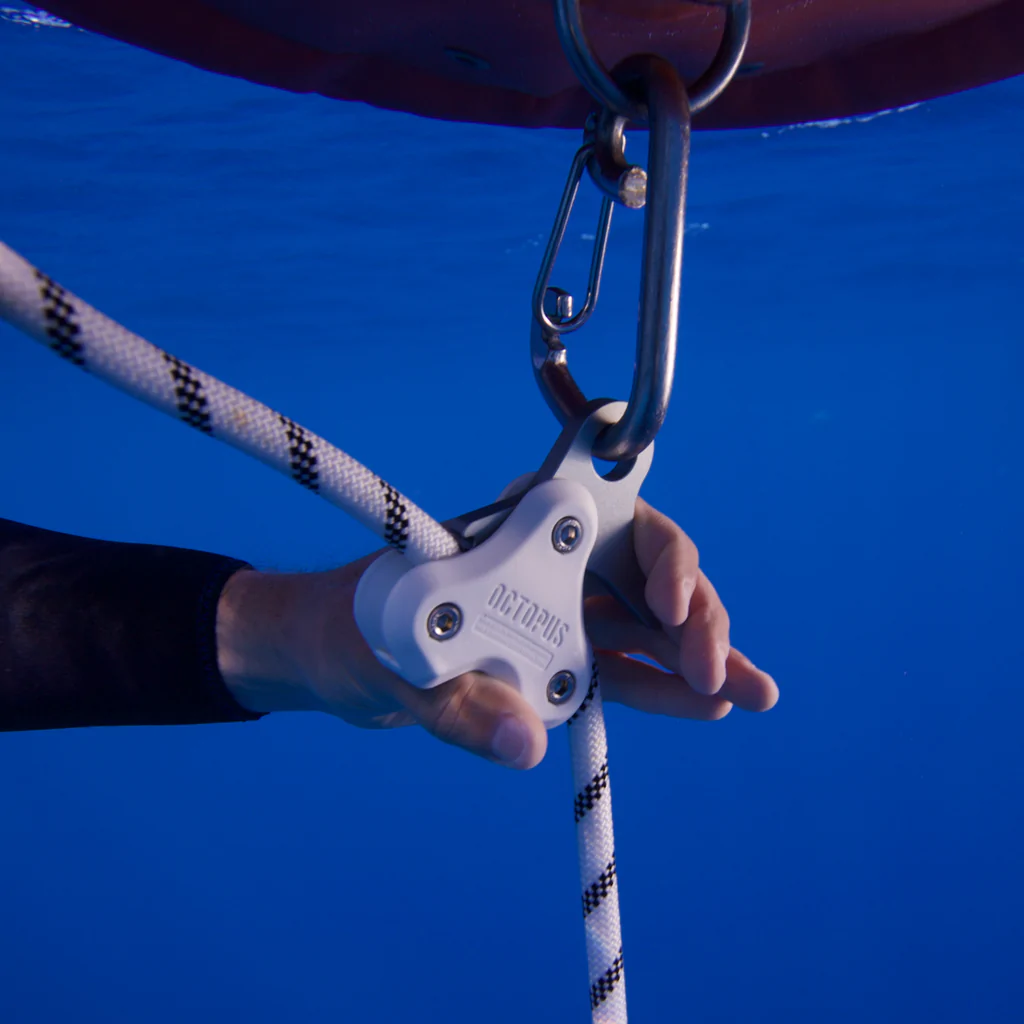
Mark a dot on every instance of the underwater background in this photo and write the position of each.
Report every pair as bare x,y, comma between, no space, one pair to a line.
844,445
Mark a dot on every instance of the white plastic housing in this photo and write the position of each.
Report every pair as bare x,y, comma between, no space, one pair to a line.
521,604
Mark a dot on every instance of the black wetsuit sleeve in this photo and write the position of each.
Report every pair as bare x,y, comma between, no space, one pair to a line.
104,633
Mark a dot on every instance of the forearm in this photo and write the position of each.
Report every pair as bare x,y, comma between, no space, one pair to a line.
105,633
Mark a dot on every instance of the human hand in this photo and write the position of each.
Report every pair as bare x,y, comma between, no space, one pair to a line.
290,642
705,675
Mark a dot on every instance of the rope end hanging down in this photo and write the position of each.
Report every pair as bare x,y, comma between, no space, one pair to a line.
592,809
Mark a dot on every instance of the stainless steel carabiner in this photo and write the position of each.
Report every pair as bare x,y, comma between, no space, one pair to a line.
663,104
664,218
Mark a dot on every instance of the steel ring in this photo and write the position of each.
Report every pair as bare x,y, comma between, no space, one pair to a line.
599,83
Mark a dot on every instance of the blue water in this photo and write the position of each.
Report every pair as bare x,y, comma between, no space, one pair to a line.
844,445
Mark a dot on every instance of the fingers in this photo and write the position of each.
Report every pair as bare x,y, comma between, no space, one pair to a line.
613,629
704,639
482,715
643,687
682,598
669,560
490,719
747,686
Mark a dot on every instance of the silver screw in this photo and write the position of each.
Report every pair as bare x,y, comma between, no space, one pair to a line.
444,621
561,686
568,532
633,188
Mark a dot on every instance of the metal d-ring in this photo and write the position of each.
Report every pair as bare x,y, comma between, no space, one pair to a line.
600,84
664,217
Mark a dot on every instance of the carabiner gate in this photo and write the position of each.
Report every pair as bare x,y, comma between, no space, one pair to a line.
561,319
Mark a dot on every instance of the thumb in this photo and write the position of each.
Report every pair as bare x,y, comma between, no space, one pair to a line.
484,716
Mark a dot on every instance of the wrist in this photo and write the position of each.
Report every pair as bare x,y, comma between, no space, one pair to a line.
260,626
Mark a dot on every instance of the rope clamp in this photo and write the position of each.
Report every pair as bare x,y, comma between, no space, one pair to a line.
516,589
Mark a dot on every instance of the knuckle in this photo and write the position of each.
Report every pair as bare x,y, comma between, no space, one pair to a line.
722,620
711,620
449,714
678,560
706,617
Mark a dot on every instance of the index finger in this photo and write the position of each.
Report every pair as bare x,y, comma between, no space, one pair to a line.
682,597
669,560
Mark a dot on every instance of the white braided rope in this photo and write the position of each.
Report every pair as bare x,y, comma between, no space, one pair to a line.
40,307
588,751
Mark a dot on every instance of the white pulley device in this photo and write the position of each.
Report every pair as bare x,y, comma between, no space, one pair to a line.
511,607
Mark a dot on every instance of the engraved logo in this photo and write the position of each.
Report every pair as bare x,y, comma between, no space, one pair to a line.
527,615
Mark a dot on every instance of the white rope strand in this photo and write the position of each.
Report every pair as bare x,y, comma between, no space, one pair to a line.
44,310
588,751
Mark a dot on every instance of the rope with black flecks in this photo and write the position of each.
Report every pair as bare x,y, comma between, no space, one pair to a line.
41,308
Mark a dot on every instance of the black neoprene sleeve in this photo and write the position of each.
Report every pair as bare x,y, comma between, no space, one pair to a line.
105,633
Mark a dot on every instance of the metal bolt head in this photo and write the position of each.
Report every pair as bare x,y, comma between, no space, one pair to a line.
558,304
561,686
567,534
444,621
633,188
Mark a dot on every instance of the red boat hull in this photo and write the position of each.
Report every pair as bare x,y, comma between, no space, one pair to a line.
499,61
